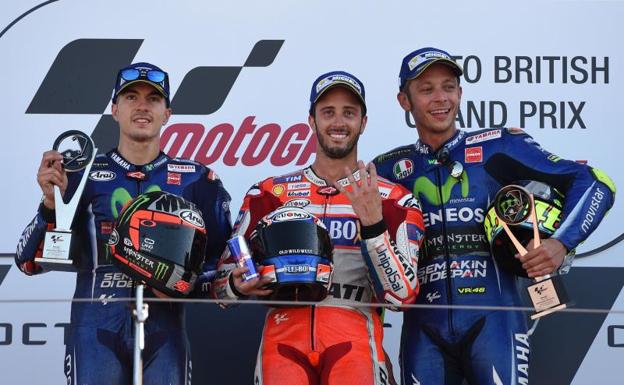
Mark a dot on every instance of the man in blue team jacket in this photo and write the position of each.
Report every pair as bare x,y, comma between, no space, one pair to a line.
456,175
100,343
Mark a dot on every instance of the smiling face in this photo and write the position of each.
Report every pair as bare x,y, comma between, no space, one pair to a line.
338,122
141,111
433,100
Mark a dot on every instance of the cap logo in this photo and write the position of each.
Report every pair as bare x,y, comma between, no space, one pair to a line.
426,56
323,83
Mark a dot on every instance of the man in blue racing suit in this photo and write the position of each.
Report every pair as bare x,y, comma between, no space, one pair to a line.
455,175
101,340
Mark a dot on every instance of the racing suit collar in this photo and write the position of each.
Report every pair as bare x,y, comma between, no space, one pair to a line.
159,161
451,143
311,175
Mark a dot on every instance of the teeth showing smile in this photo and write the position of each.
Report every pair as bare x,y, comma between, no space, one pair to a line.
437,112
337,135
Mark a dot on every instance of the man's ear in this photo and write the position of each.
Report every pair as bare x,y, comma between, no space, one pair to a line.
167,115
404,101
312,123
114,112
363,125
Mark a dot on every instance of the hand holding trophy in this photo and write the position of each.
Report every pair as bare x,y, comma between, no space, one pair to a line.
515,210
78,153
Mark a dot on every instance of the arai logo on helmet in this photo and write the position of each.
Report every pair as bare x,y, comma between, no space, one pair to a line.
102,176
192,217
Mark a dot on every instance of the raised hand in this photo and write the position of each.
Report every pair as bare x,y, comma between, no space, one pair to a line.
364,194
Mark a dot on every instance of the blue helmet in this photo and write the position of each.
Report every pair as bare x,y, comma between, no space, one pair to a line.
295,250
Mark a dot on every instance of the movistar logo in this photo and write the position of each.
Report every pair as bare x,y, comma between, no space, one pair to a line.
121,196
424,187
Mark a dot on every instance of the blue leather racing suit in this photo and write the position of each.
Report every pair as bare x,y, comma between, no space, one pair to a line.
101,340
442,345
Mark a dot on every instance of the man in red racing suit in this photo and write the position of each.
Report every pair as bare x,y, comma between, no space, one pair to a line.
376,229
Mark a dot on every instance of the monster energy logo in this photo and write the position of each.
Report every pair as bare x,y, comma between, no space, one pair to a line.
424,187
161,270
121,196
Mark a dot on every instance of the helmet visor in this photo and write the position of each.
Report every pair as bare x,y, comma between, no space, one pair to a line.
180,244
288,238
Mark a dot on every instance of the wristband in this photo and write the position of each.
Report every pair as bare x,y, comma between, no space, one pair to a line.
48,215
373,230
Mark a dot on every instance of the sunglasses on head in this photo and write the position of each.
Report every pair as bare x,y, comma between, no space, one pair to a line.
155,76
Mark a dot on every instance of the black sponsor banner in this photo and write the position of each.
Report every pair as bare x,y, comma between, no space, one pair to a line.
588,287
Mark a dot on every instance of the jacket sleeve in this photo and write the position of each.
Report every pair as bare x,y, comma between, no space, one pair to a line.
30,244
391,247
213,201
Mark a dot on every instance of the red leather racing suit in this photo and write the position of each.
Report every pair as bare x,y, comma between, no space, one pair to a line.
335,342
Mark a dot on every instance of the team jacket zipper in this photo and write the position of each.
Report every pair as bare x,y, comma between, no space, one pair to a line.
447,254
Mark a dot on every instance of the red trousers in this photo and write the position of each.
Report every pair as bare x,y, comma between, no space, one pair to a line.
322,345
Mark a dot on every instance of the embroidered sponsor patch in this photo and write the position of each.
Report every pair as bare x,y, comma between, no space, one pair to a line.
278,190
298,193
181,167
102,176
106,227
484,136
473,154
298,186
174,178
403,168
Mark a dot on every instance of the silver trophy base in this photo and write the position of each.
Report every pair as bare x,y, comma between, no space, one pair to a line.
56,264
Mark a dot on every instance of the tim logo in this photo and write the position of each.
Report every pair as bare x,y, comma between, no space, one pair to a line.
71,87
